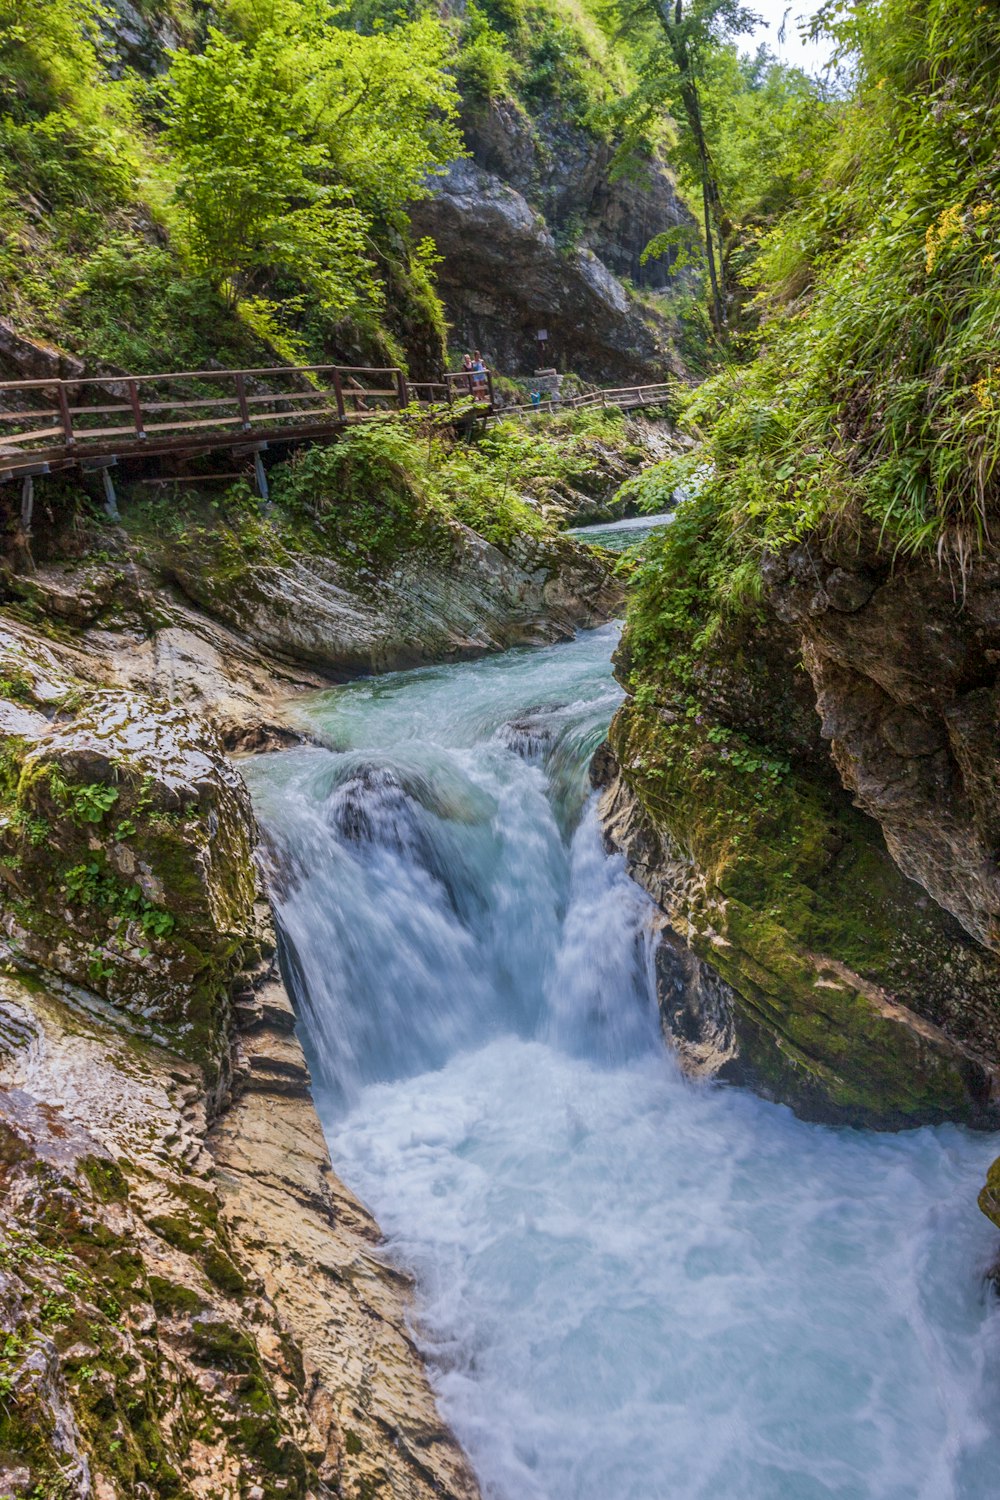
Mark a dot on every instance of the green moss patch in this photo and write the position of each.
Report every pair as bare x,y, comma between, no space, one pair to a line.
799,907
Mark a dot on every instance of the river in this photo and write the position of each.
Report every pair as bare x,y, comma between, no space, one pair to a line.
630,1287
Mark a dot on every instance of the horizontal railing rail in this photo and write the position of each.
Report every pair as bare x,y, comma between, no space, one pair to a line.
623,397
52,423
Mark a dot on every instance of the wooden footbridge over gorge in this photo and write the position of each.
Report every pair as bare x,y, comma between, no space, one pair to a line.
92,424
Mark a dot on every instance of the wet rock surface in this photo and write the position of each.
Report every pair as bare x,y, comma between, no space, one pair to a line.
904,1033
191,1304
193,1307
313,611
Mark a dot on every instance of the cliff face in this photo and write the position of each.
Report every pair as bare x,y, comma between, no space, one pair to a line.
535,234
842,960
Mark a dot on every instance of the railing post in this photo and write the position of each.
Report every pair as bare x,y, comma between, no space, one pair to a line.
136,405
241,396
338,391
489,387
64,412
402,394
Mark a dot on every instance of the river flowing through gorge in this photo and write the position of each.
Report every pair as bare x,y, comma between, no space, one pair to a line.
629,1286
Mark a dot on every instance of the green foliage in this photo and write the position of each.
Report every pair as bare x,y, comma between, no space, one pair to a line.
485,67
251,179
769,126
363,497
64,126
746,131
89,803
94,884
874,400
268,175
134,305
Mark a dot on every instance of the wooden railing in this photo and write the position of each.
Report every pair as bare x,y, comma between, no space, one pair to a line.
47,424
625,398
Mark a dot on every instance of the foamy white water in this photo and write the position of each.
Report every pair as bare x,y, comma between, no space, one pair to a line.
630,1287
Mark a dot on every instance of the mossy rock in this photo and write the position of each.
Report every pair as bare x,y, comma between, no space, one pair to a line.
989,1198
847,986
126,862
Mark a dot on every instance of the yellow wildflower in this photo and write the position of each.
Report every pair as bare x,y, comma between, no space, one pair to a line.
946,226
983,390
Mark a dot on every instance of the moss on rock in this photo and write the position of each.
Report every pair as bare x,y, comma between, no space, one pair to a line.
126,863
989,1198
850,989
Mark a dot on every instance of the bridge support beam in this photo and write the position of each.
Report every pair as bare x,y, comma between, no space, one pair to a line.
260,475
27,503
110,498
105,466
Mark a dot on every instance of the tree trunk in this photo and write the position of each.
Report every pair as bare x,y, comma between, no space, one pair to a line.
672,26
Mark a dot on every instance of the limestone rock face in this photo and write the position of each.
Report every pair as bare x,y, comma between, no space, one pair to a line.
903,661
125,858
312,610
564,172
189,1308
191,1304
504,277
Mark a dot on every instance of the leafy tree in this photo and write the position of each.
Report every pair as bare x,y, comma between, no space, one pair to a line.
253,187
64,125
682,40
382,106
49,56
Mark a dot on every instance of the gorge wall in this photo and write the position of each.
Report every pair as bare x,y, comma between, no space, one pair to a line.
536,233
193,1305
816,816
191,1302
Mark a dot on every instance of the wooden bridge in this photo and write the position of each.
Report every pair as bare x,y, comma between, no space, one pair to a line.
92,424
47,426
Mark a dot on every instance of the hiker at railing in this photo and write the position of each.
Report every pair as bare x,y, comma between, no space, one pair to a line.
479,374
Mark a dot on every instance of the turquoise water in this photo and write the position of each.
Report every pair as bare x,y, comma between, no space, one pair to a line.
617,535
630,1287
